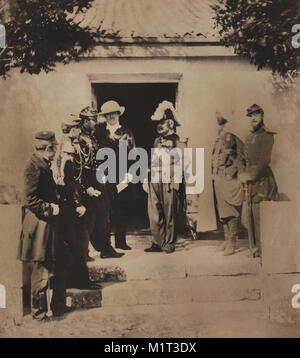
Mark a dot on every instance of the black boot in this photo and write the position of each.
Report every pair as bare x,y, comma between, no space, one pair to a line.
224,244
40,307
154,248
120,243
110,252
233,235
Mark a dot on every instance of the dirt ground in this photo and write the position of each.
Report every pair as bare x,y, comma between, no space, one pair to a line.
201,320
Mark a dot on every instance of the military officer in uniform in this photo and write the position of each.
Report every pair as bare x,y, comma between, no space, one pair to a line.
163,198
98,206
73,221
258,174
227,162
40,248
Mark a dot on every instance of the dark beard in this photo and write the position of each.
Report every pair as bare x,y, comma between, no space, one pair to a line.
258,126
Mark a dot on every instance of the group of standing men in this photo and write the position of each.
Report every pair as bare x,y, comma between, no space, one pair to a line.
242,171
66,207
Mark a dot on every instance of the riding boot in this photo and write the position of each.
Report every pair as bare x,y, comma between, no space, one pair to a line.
224,244
40,306
233,230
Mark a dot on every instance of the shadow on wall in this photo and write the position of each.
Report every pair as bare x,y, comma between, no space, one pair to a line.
9,194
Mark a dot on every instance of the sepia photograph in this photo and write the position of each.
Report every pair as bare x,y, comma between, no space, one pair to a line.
149,171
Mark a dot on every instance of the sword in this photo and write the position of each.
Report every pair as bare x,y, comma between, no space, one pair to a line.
249,214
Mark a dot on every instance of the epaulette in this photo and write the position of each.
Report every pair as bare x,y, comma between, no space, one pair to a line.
269,131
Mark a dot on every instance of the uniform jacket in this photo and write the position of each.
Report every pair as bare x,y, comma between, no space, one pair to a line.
258,150
39,230
71,194
169,142
227,161
85,160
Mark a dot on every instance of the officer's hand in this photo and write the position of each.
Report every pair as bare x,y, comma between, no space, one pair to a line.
93,192
245,177
97,193
80,210
90,191
55,209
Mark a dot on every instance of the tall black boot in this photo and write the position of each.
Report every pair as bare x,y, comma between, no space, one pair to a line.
40,306
120,242
233,235
224,244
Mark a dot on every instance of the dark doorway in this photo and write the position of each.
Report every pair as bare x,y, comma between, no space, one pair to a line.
140,101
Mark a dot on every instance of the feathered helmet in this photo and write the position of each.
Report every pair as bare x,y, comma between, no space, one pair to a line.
88,112
165,110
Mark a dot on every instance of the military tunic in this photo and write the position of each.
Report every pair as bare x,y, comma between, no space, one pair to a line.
258,150
41,249
227,162
98,212
74,229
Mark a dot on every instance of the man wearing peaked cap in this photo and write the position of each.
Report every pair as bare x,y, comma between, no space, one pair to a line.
44,139
258,150
255,108
40,249
45,135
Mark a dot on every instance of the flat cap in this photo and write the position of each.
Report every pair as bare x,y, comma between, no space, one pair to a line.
45,135
255,108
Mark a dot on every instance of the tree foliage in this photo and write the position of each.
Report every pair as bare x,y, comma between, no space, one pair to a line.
262,32
41,33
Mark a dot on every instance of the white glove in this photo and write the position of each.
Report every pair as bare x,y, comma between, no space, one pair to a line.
55,209
97,193
80,210
93,192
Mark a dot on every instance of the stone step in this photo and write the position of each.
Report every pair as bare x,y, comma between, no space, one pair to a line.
100,271
191,259
177,291
83,298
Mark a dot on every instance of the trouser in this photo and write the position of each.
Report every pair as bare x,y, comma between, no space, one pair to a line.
38,276
162,210
98,218
119,219
256,222
230,227
120,211
75,233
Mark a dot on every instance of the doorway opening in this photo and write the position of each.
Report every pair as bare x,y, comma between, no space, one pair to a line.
140,101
